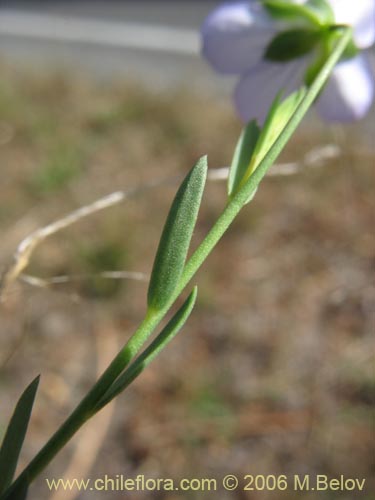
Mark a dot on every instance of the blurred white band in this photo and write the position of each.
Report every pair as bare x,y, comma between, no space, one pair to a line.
111,33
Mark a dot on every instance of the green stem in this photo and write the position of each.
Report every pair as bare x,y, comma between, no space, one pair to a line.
86,409
240,199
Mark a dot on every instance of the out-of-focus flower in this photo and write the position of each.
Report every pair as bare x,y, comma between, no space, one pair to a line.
272,51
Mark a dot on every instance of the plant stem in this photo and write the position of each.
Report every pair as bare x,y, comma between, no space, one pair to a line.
86,409
240,199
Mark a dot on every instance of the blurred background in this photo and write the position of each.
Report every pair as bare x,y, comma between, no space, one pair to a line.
274,371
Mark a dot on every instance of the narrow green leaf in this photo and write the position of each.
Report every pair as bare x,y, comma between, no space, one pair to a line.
149,354
19,493
279,115
292,44
15,435
242,155
254,142
176,236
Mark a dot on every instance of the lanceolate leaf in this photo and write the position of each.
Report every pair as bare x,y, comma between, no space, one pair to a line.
242,155
278,116
255,143
164,337
20,493
175,239
15,435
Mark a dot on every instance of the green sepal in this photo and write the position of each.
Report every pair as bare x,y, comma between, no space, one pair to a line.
292,44
15,435
165,336
285,10
312,12
176,236
242,155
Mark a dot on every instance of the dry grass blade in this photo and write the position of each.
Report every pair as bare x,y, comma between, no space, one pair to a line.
315,158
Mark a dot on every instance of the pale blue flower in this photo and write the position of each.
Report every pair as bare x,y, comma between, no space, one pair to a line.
236,36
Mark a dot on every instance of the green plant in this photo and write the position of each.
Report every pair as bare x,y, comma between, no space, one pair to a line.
256,151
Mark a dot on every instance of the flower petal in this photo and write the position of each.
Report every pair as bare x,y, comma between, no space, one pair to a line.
235,36
256,90
349,92
361,15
